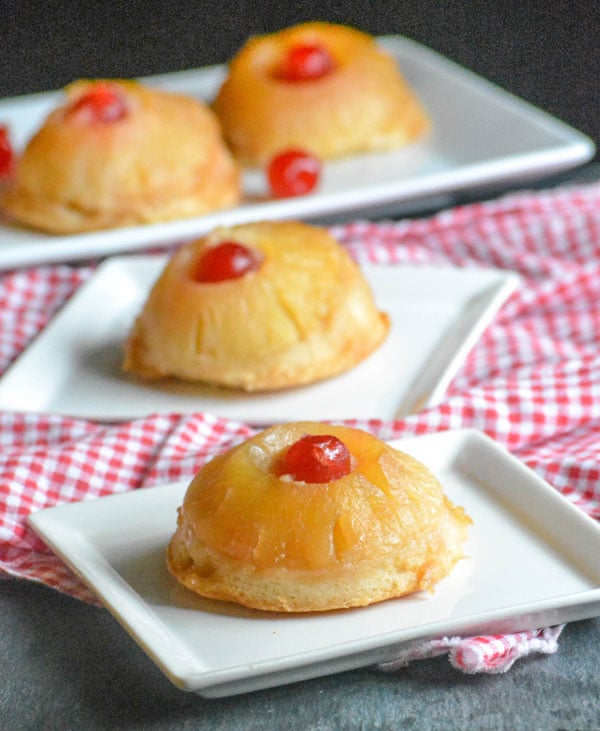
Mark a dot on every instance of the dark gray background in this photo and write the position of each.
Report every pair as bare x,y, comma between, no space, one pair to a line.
67,665
546,52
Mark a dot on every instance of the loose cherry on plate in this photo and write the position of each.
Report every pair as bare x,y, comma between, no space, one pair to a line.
316,458
293,172
227,260
7,155
101,102
305,62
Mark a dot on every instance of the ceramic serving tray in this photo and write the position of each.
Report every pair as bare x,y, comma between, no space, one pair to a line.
74,366
531,562
481,135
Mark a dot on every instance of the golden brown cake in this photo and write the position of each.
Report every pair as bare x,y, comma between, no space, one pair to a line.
117,153
302,312
250,532
357,100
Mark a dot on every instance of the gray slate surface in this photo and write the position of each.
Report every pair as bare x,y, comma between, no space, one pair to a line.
68,665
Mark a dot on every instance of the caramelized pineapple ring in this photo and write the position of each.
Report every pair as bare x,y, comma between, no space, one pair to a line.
242,509
383,530
361,102
117,153
302,313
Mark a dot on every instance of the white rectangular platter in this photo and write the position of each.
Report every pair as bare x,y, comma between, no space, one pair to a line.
532,562
74,366
481,135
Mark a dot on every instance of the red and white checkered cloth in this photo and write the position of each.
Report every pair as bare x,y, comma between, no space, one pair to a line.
532,383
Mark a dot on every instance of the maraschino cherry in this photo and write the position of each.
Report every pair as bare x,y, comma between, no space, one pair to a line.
293,172
7,155
102,102
316,458
227,260
305,62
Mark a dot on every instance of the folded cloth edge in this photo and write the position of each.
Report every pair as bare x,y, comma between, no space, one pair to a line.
491,654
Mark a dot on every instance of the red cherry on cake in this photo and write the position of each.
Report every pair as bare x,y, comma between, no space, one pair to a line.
100,103
7,155
305,62
227,260
316,458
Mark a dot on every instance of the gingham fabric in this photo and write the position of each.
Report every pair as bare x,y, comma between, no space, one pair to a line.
532,383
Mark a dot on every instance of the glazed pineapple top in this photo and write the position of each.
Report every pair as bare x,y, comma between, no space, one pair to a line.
328,88
297,283
115,153
245,506
119,117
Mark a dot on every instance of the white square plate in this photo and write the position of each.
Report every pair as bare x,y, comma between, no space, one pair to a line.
532,563
481,135
74,366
